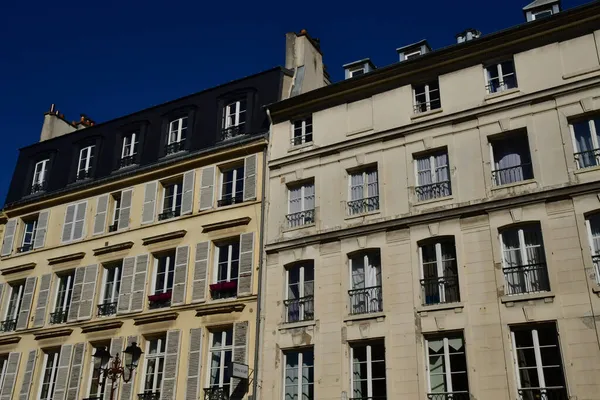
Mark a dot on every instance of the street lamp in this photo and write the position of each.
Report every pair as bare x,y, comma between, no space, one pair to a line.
118,368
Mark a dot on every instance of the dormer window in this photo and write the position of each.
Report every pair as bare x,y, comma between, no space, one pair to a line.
302,131
234,119
358,68
413,50
500,77
540,9
40,172
177,134
86,157
129,150
426,97
357,72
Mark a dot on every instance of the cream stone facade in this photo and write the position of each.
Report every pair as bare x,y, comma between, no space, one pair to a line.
417,250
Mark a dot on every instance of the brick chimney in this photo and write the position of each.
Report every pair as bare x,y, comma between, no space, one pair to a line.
303,56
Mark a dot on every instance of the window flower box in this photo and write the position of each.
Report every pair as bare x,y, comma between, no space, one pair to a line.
222,290
160,300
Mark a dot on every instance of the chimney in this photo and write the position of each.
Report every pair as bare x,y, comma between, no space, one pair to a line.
467,35
55,124
303,56
359,67
413,50
84,122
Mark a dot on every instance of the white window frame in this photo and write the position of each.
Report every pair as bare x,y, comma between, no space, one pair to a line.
501,84
88,159
433,167
439,264
594,139
594,252
177,131
302,196
114,296
369,369
412,54
170,262
365,182
234,110
428,94
534,15
304,122
157,356
3,368
39,172
230,259
56,359
69,287
222,349
447,364
366,266
101,390
33,232
301,283
178,191
116,207
235,179
130,149
299,368
357,72
15,315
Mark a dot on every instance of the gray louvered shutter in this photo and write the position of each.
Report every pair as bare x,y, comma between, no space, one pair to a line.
2,308
250,178
76,371
62,373
10,377
138,293
42,301
9,237
182,256
169,382
28,376
76,294
200,272
124,302
127,388
125,212
246,264
192,386
79,224
207,188
42,228
67,233
116,347
25,310
88,290
240,338
187,197
149,208
101,213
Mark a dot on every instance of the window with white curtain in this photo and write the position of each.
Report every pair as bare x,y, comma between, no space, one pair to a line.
586,142
439,272
432,172
538,362
300,283
86,159
365,282
592,223
299,375
62,303
301,204
154,364
220,353
524,260
368,379
363,191
49,370
302,131
511,160
500,76
427,96
39,176
446,367
15,298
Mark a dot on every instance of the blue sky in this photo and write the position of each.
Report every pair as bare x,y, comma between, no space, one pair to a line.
109,58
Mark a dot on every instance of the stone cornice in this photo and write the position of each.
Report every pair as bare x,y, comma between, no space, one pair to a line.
17,268
225,224
164,237
51,334
154,318
112,248
9,340
97,326
66,258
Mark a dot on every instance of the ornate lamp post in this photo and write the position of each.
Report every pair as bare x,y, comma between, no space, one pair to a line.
118,369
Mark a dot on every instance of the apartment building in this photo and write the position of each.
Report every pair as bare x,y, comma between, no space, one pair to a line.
432,227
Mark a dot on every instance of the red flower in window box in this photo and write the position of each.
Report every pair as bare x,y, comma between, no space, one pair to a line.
160,297
223,286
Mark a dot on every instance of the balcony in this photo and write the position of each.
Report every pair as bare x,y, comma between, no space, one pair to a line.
159,300
127,161
518,173
149,396
59,316
38,187
586,159
433,191
216,393
169,214
440,290
543,394
223,290
106,309
369,398
228,200
301,309
300,218
8,325
25,248
449,396
113,227
83,175
362,206
366,300
524,279
233,132
174,147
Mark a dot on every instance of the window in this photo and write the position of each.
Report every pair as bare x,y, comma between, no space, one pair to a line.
177,134
592,224
97,390
541,14
115,212
3,368
413,54
524,261
299,301
538,361
303,131
40,173
29,231
129,151
234,119
301,205
500,77
164,273
433,176
511,161
365,283
64,291
446,367
86,157
15,298
427,96
111,284
363,191
586,141
226,269
299,375
171,204
221,351
50,368
155,365
439,272
232,186
368,370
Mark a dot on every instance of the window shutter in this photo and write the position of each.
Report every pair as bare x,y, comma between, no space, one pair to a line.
88,290
250,178
169,382
2,285
76,372
182,256
207,188
10,376
79,225
9,237
125,212
42,228
187,198
192,387
148,210
124,302
100,217
25,311
42,301
246,264
67,233
200,272
240,337
138,292
127,388
76,295
28,376
62,373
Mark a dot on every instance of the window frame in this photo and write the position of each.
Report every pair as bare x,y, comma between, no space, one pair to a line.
501,81
364,172
230,243
158,356
132,150
33,233
116,208
433,168
3,368
117,267
70,277
223,349
594,253
412,54
53,372
428,99
447,370
593,138
93,366
524,155
534,14
299,367
302,282
39,177
86,170
301,139
180,131
19,301
177,196
234,168
236,113
302,187
169,257
369,364
439,262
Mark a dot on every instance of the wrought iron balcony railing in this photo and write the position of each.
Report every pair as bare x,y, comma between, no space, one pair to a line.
113,227
366,300
174,147
559,393
517,173
228,200
59,316
8,325
529,278
127,161
300,218
149,396
169,214
301,309
106,309
233,132
362,206
25,248
596,261
302,139
449,396
216,393
588,158
38,187
369,398
433,191
440,290
425,106
83,175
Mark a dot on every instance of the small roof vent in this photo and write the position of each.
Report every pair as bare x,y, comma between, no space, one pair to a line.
413,50
467,35
359,67
541,9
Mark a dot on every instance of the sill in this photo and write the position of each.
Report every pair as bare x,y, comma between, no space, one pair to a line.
66,258
596,289
580,72
294,325
457,307
300,146
436,200
113,248
379,316
298,227
51,334
514,184
225,224
365,214
548,297
491,96
10,340
587,169
426,114
175,153
161,316
215,208
17,268
163,237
